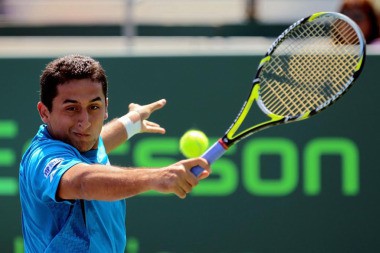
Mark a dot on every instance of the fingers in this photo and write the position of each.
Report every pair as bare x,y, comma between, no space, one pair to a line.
190,180
204,175
151,127
176,179
190,163
206,169
146,110
156,105
184,189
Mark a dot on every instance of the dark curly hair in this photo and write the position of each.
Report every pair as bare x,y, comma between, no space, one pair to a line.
65,69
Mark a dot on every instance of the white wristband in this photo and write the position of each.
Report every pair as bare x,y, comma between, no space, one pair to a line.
131,127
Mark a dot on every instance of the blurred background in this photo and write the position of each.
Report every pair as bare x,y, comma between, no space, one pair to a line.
128,27
307,187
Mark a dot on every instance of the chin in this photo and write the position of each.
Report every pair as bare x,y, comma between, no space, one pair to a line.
84,147
82,150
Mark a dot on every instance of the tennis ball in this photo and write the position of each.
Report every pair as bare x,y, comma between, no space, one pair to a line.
193,143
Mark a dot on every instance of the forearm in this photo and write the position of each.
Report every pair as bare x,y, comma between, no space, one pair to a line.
135,121
106,183
114,133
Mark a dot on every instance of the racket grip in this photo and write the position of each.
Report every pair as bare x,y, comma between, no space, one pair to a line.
211,155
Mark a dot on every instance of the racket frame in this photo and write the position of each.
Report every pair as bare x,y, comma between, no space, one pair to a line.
230,137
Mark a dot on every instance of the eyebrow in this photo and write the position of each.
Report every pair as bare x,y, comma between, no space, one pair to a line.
68,101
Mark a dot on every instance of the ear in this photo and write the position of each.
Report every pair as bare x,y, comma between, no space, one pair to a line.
44,112
106,112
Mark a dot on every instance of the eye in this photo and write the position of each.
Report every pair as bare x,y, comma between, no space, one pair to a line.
72,109
94,107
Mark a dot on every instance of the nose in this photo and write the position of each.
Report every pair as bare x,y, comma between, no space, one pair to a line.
84,120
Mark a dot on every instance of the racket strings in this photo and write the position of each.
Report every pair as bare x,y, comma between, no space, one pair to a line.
310,66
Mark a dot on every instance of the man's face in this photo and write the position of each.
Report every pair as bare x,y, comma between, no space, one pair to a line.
77,115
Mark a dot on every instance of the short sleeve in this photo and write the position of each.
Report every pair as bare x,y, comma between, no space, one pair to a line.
51,162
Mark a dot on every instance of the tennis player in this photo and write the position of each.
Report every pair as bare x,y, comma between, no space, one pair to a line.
72,199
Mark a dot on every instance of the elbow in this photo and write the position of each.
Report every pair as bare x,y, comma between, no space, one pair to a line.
91,186
83,187
71,188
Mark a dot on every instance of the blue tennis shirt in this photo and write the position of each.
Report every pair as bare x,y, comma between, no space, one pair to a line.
50,224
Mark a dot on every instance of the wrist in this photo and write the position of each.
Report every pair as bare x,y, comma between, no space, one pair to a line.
132,123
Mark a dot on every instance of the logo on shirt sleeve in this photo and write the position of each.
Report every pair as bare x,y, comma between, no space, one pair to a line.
51,165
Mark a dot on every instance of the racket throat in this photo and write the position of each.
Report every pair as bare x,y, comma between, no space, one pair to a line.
225,142
215,151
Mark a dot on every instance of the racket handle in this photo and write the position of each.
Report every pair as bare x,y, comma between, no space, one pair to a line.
211,155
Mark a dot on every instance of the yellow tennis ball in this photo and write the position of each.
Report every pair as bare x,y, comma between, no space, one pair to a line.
193,143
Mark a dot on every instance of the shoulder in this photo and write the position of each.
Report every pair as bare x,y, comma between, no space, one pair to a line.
44,148
45,153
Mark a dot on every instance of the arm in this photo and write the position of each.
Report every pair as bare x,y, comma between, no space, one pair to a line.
109,183
114,133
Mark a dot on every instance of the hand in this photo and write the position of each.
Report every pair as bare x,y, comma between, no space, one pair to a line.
145,111
178,178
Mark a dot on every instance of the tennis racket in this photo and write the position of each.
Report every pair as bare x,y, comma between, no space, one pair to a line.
306,69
